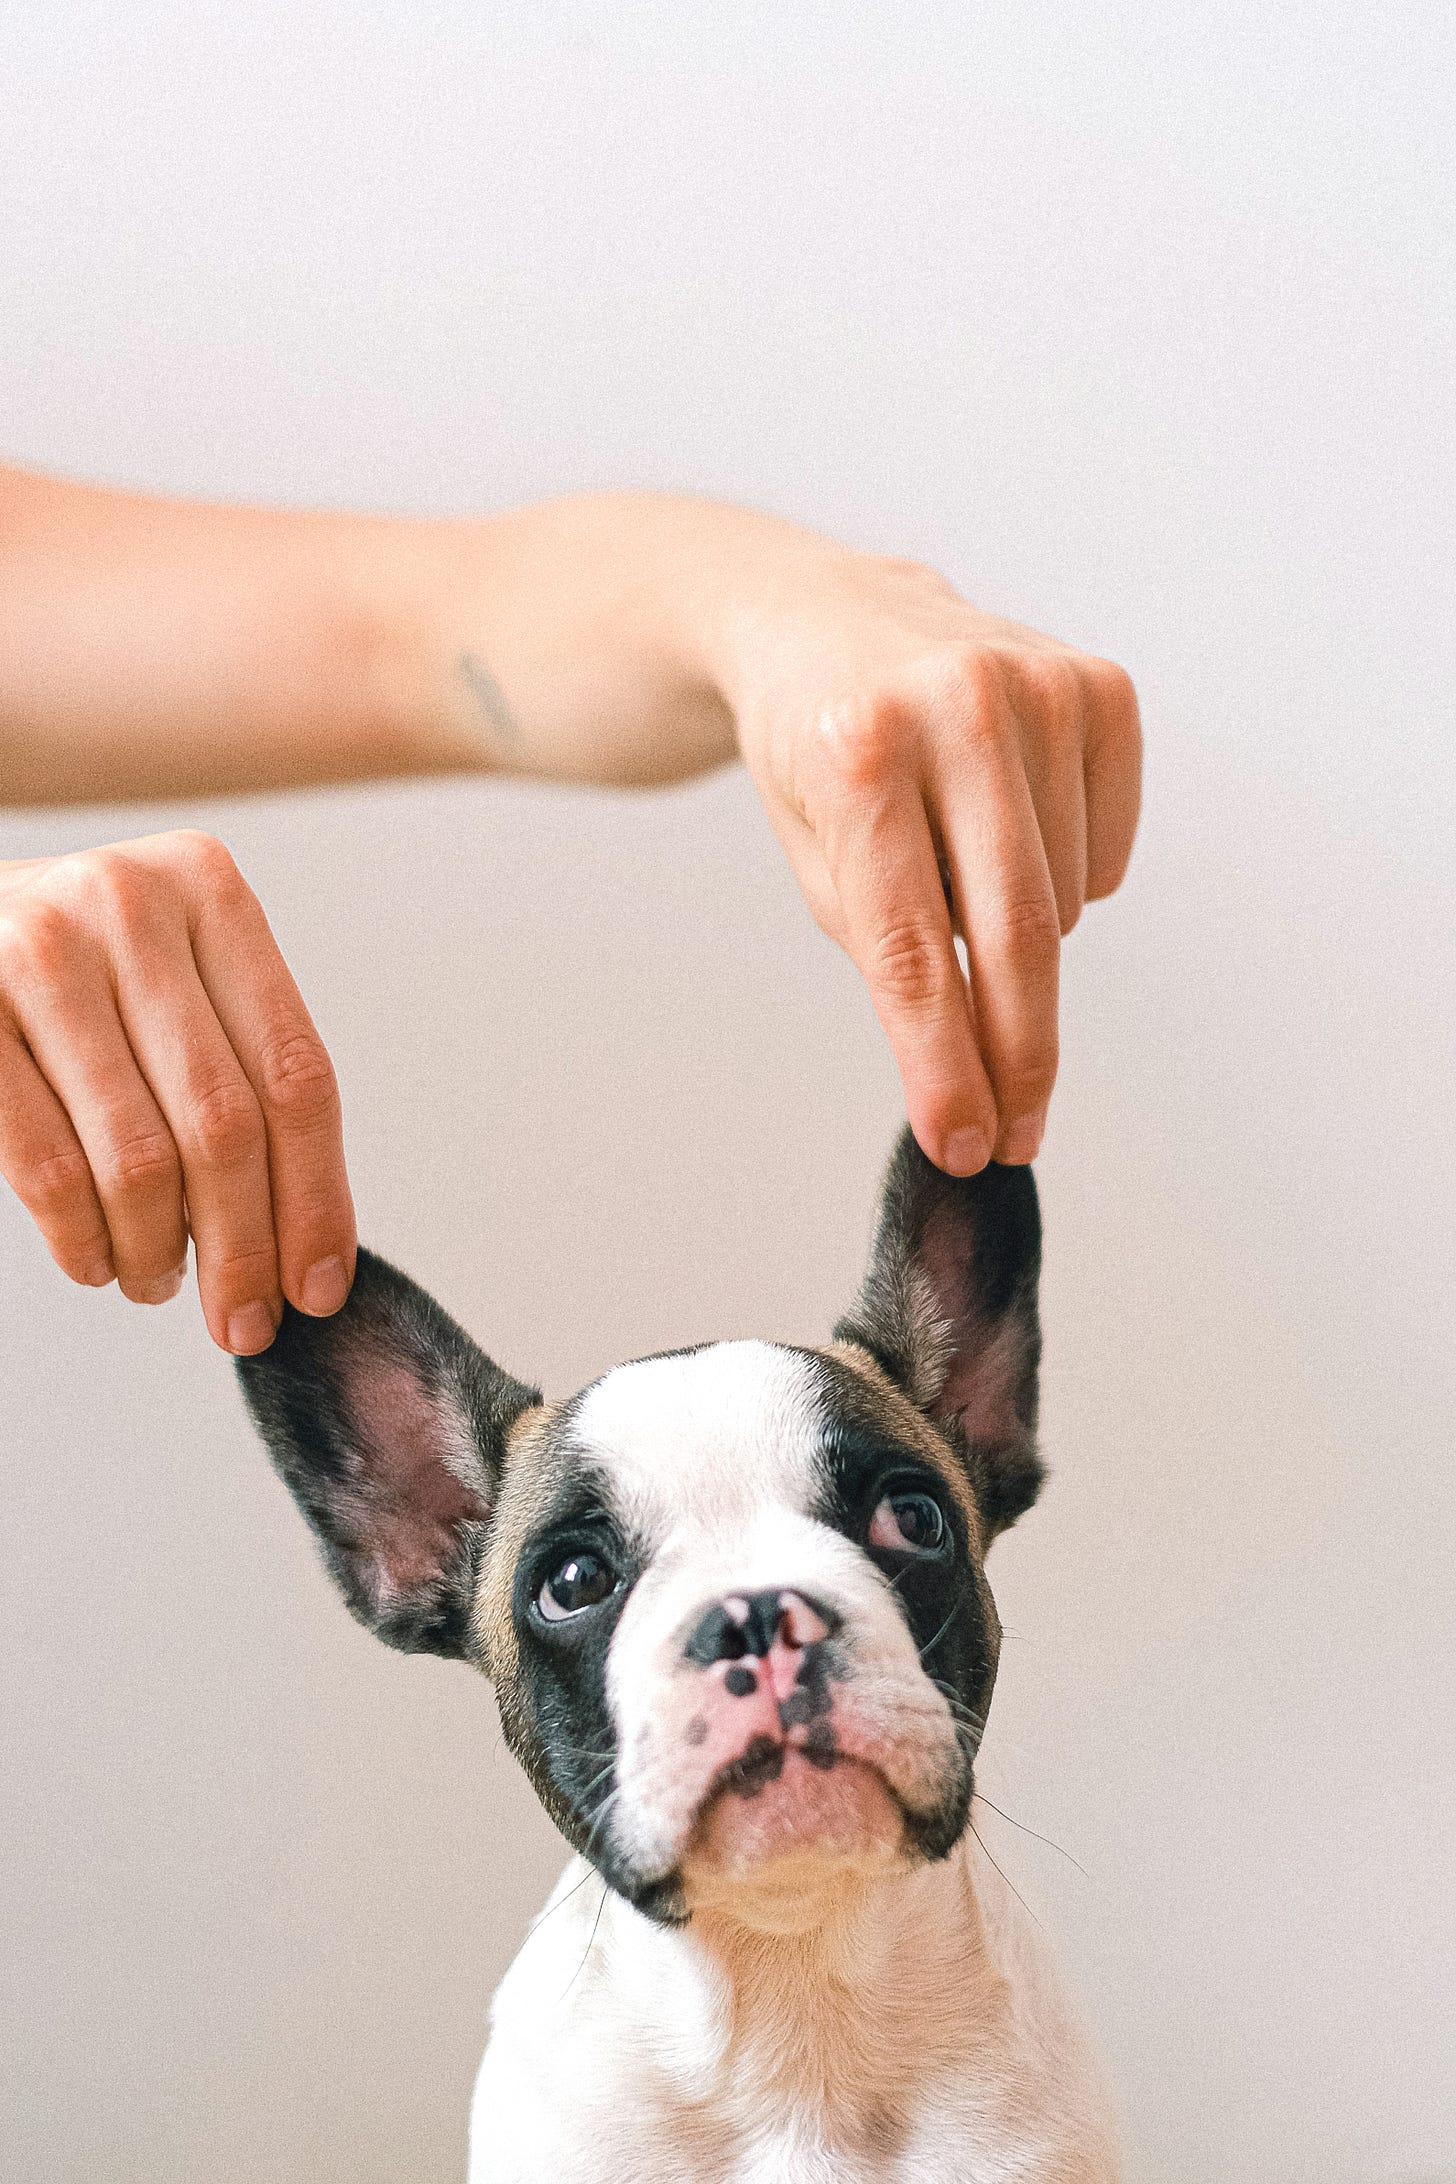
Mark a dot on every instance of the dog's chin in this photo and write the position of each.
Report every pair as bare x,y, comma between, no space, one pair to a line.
804,1827
780,1841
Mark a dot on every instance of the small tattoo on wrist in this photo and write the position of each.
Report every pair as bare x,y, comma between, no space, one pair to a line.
487,694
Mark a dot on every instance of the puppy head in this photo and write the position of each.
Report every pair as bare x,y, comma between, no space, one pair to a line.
733,1598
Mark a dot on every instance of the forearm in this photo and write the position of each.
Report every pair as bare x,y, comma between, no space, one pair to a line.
594,637
152,648
934,773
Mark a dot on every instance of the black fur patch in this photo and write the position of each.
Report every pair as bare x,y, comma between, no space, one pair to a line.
388,1426
949,1310
555,1716
943,1597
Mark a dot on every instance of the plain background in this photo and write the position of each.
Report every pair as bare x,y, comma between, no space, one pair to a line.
1137,321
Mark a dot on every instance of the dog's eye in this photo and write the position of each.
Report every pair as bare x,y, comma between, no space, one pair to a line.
584,1580
908,1524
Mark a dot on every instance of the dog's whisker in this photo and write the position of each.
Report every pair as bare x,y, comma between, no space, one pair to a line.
957,1705
982,1799
1016,1892
561,1901
954,1700
591,1944
931,1643
603,1774
602,1813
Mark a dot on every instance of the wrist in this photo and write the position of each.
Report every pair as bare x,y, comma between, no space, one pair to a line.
392,621
752,578
558,640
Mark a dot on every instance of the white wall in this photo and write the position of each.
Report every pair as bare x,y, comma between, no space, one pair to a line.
1136,320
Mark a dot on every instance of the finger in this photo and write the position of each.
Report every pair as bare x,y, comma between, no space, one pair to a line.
262,1012
42,1161
1051,715
802,849
1008,913
75,1035
1113,766
898,931
217,1126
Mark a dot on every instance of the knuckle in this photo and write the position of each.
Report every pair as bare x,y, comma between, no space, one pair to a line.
53,1181
975,684
201,853
859,744
1029,930
208,869
1057,682
908,964
298,1080
38,941
238,1273
139,1160
223,1124
123,890
68,884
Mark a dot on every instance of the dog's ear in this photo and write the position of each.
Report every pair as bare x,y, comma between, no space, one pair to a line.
389,1427
948,1308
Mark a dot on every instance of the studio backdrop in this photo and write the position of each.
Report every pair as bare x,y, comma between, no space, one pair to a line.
1137,322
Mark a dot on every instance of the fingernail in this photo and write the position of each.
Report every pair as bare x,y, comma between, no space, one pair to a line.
325,1287
966,1152
250,1328
162,1291
1022,1141
99,1273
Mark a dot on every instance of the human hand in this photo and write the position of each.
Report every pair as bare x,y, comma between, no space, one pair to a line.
931,771
160,1075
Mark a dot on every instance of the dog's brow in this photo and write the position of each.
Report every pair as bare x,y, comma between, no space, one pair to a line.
850,1445
587,1510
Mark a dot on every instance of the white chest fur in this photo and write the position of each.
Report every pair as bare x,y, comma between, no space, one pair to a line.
917,2036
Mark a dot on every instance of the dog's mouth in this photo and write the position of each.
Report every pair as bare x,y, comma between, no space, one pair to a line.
789,1820
764,1757
797,1797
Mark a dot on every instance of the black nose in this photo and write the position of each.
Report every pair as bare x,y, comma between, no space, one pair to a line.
749,1622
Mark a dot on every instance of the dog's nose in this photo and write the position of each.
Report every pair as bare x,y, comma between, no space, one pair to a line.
753,1622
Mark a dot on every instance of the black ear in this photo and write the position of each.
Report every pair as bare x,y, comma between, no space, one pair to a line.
388,1426
948,1308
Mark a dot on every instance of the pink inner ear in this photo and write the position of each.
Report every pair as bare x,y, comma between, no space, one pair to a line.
981,1386
413,1447
982,1365
945,1258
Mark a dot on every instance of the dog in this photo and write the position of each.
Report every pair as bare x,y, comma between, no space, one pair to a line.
734,1606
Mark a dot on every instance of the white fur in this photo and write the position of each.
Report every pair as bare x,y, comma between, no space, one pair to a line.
632,2054
712,1456
846,2016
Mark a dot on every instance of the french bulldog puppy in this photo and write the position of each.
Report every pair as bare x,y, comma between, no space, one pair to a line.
734,1605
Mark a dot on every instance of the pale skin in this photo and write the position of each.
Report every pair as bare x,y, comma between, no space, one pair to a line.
931,771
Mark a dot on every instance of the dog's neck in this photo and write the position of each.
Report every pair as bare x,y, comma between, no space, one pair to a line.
911,2027
832,2000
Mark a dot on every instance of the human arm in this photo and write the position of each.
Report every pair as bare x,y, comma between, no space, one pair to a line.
900,739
